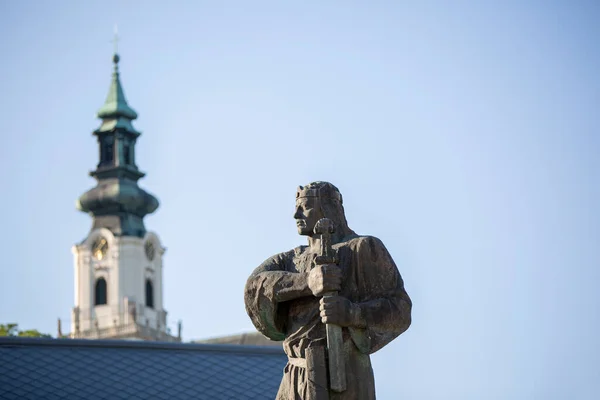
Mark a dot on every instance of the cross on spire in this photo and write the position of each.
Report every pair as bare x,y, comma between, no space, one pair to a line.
115,40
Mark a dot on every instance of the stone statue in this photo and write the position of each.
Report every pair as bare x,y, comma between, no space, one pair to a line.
333,302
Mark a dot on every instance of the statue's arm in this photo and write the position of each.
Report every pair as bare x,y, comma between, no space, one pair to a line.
290,286
267,290
384,311
281,284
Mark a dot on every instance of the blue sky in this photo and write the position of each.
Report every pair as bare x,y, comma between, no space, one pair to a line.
463,135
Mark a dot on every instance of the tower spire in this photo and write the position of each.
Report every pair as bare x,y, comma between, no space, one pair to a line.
117,202
116,105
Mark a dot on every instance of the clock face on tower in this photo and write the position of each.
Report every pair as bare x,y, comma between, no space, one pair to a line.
149,248
100,248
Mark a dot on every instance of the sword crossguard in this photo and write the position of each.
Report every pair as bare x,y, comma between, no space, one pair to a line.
322,260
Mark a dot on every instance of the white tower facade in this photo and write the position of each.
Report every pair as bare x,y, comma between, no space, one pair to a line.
119,287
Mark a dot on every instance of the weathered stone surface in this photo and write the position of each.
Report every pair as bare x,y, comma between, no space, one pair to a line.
294,295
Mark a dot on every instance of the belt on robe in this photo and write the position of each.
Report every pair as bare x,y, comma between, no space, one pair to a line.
297,362
315,365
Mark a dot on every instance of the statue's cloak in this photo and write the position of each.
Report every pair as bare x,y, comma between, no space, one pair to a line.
370,279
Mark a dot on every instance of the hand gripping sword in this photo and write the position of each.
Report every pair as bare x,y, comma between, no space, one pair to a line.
335,350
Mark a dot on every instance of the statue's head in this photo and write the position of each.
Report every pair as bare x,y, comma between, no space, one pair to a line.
320,200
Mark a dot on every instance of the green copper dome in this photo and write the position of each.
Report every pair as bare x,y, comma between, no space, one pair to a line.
117,195
115,105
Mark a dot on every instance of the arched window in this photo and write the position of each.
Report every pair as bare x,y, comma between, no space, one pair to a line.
149,294
107,151
126,154
100,292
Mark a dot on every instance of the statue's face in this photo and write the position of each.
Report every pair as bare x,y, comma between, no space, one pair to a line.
308,212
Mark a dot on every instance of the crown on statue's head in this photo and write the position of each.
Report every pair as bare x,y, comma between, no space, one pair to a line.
324,190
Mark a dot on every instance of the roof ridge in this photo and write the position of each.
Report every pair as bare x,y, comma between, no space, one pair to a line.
146,345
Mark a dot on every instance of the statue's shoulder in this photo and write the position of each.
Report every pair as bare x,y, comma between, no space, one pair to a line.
286,254
356,242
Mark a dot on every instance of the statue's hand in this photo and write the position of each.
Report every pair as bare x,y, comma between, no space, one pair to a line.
325,278
340,311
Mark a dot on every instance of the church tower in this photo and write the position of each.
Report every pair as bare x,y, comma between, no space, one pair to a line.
118,266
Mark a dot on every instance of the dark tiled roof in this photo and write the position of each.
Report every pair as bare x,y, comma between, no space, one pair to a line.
118,369
251,338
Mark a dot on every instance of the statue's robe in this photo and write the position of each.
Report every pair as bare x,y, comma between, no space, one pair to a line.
370,279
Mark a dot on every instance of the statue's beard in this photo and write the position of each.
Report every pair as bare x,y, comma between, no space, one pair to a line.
303,229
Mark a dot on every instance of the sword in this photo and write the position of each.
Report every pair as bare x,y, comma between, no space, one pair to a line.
335,350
